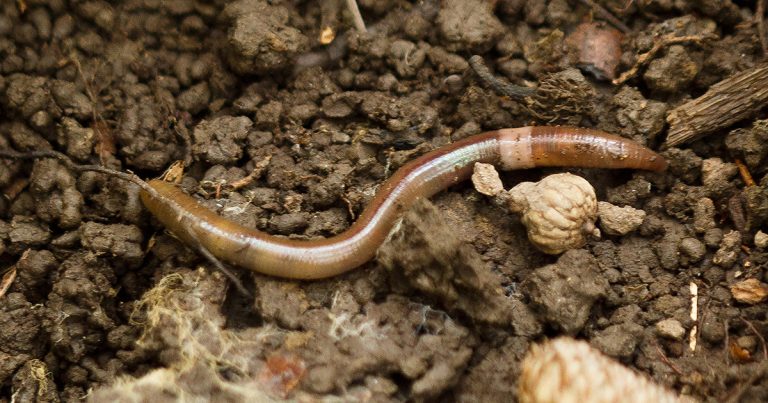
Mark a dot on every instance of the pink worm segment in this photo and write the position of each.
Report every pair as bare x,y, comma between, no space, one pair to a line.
519,148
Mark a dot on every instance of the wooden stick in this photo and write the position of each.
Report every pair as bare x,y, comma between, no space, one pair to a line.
658,45
744,172
357,18
734,99
605,14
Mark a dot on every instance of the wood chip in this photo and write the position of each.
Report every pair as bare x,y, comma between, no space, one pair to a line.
10,275
736,98
7,280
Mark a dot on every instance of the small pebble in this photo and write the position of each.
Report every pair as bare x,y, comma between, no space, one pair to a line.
290,223
747,342
729,250
486,179
713,237
453,84
672,72
716,174
616,220
703,215
671,329
761,240
340,138
693,248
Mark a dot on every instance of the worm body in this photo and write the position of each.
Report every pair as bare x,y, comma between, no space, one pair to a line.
518,148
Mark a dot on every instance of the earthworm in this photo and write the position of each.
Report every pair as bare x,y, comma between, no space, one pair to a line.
500,87
517,148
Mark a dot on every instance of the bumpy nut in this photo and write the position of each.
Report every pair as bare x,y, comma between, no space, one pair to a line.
567,370
559,211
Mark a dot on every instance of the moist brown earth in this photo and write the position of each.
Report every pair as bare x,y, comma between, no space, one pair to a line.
106,306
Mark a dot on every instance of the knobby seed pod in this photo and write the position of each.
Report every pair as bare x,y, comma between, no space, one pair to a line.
558,211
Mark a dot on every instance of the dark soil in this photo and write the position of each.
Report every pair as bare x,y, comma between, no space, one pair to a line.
452,302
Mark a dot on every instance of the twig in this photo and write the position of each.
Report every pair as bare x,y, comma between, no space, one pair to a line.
106,142
357,18
666,360
646,57
7,280
626,6
693,337
759,336
348,202
15,187
760,22
219,265
503,88
179,127
759,372
744,172
336,50
10,274
606,15
33,155
254,175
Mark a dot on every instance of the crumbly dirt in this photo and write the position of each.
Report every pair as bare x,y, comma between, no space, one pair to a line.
106,306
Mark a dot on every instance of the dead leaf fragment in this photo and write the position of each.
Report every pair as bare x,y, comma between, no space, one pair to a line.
281,373
175,172
751,291
105,143
10,275
739,353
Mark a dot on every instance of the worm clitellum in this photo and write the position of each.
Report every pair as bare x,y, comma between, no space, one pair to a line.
519,148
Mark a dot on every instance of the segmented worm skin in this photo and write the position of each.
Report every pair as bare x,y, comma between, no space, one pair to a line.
518,148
